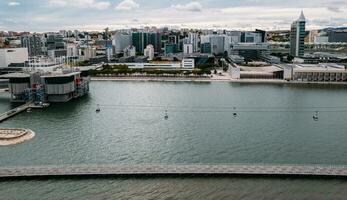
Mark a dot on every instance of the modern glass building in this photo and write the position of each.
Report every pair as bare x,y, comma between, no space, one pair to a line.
297,37
140,40
171,48
206,48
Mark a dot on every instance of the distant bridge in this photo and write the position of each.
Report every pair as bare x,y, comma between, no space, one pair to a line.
193,169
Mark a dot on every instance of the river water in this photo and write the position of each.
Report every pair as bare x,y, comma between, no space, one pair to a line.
273,125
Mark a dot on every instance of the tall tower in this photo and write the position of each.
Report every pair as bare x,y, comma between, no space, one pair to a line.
297,37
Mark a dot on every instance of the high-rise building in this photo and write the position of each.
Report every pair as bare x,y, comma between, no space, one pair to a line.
121,41
33,43
193,38
217,44
55,41
297,37
141,39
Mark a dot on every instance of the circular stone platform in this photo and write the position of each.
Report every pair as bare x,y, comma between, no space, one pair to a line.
12,136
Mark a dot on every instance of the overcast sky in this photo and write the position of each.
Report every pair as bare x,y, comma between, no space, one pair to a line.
53,15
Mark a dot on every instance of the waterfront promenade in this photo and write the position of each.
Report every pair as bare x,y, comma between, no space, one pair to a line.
157,169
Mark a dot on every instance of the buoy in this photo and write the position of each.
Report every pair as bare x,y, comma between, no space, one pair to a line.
98,109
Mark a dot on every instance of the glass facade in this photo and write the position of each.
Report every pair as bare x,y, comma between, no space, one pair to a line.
297,37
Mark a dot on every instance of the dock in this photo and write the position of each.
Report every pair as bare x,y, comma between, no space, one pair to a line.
194,169
15,111
4,90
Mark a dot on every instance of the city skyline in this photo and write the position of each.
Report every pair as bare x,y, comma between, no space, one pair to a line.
90,15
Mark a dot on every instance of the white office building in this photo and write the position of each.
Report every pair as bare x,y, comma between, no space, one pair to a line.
188,48
130,51
193,38
217,44
188,64
109,53
10,56
149,52
72,51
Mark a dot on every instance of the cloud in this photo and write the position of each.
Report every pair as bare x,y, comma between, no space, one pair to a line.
192,7
127,5
13,3
334,9
81,4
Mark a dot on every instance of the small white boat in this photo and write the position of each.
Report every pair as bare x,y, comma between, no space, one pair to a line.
315,116
166,115
98,109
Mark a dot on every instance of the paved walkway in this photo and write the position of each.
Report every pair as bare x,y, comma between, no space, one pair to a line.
304,170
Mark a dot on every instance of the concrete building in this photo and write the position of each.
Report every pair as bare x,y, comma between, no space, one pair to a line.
121,41
251,51
58,86
217,44
57,53
237,59
185,64
13,56
337,36
252,37
87,53
149,52
321,39
188,49
193,38
71,51
109,53
54,41
297,37
130,51
33,43
316,73
188,64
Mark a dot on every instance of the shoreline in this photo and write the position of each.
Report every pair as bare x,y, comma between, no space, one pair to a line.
169,79
155,79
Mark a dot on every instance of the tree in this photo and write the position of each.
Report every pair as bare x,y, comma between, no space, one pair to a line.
290,58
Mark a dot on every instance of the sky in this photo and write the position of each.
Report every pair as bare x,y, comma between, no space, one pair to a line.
89,15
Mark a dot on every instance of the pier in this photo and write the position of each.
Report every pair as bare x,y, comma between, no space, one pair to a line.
15,111
194,169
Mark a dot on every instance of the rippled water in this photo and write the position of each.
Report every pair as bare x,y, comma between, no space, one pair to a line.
175,188
201,129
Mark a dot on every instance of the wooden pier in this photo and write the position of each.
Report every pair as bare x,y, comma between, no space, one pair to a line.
15,111
196,169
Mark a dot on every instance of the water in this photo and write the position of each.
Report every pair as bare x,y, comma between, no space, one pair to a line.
201,129
174,188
